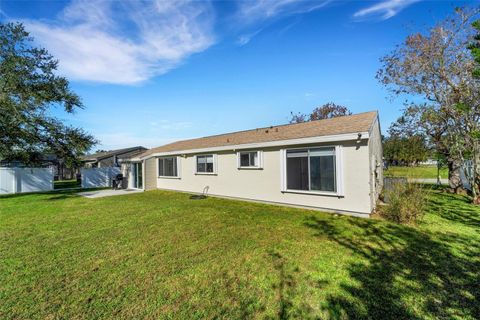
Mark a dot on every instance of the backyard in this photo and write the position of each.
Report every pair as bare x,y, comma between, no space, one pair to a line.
160,254
66,184
417,172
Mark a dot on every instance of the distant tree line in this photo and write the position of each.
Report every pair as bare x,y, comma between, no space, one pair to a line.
405,151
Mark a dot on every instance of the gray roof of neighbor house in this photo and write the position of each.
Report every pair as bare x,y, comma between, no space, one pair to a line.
356,123
106,154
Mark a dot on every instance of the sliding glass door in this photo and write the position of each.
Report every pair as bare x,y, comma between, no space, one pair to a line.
138,175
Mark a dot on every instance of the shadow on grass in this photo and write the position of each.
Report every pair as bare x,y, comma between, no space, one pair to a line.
287,288
455,208
286,283
403,273
69,193
62,196
29,194
67,184
51,195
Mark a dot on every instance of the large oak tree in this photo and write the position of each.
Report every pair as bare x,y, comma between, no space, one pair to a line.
470,111
434,71
29,90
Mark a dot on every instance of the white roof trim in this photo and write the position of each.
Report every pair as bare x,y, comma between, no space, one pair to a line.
278,143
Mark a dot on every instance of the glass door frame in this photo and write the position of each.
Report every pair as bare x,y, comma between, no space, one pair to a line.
137,175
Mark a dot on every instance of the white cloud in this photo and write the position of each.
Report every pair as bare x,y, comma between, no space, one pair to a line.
245,38
169,125
125,42
258,12
250,11
3,14
145,133
385,9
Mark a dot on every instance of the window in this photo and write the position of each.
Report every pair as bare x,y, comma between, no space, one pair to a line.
168,167
311,169
205,164
250,159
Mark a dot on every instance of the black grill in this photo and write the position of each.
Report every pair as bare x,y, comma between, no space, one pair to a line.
117,181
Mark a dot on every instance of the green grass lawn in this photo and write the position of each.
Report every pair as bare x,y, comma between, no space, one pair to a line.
420,172
159,254
66,184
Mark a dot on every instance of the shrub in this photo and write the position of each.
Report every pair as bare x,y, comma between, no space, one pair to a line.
406,202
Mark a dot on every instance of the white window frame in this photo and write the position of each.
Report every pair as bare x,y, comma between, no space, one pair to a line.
259,159
178,176
338,172
214,165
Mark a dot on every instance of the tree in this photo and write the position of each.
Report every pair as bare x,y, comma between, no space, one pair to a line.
408,150
436,69
470,111
29,90
423,120
327,111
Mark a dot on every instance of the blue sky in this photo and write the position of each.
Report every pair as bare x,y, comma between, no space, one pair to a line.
157,71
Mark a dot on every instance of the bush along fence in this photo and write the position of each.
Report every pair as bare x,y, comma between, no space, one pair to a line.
404,201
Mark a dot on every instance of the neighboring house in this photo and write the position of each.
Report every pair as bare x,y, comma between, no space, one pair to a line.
429,162
60,170
111,158
118,158
333,164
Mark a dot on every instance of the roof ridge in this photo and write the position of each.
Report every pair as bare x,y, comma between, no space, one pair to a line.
273,126
113,151
344,124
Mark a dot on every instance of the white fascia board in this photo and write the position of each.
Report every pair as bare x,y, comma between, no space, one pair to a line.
278,143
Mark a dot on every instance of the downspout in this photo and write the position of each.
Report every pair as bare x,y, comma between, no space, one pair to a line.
143,175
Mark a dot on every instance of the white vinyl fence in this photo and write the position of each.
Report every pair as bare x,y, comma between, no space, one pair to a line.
19,180
98,177
466,174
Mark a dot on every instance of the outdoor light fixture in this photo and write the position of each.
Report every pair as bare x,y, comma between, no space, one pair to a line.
359,137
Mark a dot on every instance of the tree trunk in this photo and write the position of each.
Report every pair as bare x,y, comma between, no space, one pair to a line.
475,183
439,182
454,179
476,200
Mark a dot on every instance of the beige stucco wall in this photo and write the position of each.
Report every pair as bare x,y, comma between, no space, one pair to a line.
150,174
265,184
375,151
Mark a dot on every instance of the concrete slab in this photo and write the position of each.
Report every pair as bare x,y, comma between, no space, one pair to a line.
107,193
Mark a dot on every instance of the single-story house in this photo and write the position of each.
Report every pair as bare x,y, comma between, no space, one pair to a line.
333,165
111,158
